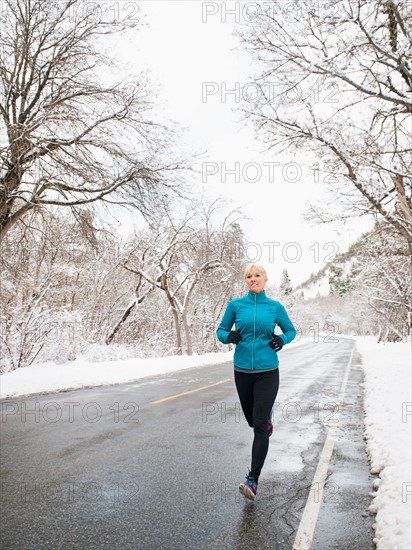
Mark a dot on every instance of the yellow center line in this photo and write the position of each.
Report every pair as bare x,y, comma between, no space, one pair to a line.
190,391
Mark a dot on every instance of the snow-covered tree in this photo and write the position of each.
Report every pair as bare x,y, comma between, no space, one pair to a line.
339,283
69,289
183,255
42,282
336,81
285,286
386,281
68,138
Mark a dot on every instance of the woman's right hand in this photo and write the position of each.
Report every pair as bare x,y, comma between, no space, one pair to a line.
276,343
234,337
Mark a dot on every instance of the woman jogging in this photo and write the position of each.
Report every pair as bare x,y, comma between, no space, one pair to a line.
256,362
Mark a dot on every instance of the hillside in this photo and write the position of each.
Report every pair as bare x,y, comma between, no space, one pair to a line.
337,277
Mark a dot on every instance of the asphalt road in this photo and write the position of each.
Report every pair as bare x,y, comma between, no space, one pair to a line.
121,468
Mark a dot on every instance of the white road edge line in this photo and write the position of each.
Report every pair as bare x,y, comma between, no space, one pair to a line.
310,515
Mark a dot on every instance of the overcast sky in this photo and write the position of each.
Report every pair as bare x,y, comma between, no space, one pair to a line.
195,61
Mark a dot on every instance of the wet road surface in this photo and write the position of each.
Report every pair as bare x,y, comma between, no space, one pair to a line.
121,467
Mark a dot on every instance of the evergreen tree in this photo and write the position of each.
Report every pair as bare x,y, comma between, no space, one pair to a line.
285,283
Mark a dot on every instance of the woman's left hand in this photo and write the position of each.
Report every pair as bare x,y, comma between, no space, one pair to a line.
276,343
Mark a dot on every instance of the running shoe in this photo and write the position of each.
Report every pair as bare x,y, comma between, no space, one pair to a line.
248,488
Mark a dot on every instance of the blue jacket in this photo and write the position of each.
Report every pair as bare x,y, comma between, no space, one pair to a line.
256,317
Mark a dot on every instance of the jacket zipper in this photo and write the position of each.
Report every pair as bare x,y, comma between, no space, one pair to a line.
254,335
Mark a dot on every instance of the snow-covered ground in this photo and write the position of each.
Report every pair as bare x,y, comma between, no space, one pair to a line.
388,427
388,420
81,373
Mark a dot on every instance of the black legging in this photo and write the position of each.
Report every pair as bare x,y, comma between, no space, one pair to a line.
257,393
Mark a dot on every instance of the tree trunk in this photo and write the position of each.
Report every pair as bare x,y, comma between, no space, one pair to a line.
188,336
176,319
120,323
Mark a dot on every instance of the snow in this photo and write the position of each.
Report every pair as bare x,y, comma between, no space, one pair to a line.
388,414
388,420
319,288
81,373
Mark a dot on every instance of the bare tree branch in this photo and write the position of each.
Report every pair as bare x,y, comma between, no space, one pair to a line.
68,138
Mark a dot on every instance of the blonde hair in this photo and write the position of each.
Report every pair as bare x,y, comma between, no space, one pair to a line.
259,268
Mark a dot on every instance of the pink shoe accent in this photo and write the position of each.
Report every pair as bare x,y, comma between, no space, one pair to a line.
248,488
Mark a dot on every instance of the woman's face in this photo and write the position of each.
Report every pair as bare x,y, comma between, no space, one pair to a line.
256,281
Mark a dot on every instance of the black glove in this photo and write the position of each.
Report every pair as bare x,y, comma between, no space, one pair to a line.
276,343
234,337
